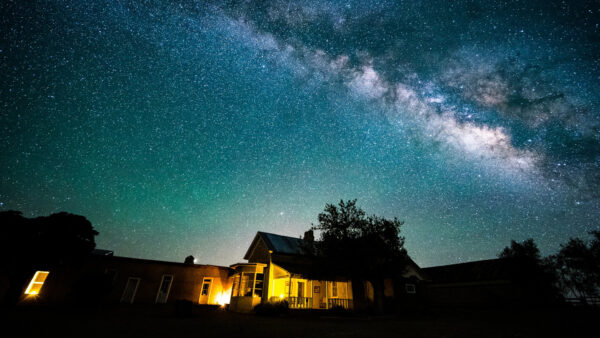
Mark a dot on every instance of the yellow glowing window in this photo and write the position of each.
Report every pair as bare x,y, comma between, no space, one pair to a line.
35,286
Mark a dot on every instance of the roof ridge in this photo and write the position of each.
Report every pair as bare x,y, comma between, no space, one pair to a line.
270,233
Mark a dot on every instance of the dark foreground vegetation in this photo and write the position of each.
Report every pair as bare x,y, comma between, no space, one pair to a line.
164,321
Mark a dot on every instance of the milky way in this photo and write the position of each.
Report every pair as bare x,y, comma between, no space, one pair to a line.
184,127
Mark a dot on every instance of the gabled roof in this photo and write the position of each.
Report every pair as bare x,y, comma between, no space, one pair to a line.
281,244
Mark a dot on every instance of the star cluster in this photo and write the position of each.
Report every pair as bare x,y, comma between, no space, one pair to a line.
183,127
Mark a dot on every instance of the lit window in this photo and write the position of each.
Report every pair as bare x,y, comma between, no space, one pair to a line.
35,286
236,285
334,289
246,284
410,288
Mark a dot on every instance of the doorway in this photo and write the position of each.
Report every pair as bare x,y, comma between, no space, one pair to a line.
205,291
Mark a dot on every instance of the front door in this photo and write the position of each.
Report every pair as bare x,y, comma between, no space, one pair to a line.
205,291
300,289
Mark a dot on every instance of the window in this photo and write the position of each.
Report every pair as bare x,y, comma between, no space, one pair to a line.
163,290
410,288
236,286
205,287
246,285
334,289
130,290
258,285
35,286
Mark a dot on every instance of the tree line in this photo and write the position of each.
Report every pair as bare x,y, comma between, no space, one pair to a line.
573,272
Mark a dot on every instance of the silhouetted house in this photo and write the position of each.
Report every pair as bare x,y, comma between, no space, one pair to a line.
479,283
287,268
106,278
278,268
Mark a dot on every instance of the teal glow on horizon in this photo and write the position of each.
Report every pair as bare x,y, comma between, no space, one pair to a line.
184,127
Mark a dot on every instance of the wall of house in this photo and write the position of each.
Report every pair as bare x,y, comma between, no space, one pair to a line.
487,293
260,253
104,279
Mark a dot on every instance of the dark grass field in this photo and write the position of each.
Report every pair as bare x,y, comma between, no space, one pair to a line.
161,321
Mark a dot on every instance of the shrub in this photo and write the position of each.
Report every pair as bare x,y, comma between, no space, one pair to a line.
272,308
340,311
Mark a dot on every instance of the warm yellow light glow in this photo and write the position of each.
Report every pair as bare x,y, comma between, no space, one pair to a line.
35,286
223,298
281,296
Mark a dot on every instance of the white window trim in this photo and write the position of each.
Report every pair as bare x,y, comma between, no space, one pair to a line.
410,288
134,290
162,280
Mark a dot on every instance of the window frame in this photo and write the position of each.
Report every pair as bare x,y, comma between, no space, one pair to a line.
33,282
410,288
210,282
335,286
137,285
162,280
248,280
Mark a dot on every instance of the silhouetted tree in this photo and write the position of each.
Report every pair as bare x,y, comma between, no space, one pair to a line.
535,275
189,260
50,242
368,248
578,265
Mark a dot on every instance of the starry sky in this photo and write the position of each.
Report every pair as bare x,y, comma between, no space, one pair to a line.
183,127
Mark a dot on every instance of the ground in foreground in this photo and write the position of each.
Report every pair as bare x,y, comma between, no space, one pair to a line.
161,321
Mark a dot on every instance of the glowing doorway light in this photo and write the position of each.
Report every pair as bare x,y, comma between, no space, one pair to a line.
223,298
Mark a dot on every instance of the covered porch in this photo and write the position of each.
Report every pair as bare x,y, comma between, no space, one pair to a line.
302,292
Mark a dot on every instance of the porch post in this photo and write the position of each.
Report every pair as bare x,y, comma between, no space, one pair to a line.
269,281
312,300
326,294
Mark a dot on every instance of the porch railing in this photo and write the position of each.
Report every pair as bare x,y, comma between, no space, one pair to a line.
300,302
339,302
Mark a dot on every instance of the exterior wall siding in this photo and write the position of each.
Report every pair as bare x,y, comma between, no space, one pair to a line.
104,279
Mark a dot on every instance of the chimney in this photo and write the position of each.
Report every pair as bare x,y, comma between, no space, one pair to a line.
309,236
189,260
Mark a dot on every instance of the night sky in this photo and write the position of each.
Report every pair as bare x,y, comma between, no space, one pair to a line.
183,127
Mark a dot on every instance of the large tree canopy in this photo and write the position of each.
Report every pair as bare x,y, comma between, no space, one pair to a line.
348,235
365,248
42,243
578,266
528,269
49,241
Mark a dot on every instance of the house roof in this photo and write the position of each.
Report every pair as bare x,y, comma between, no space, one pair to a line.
307,261
282,244
477,271
102,252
